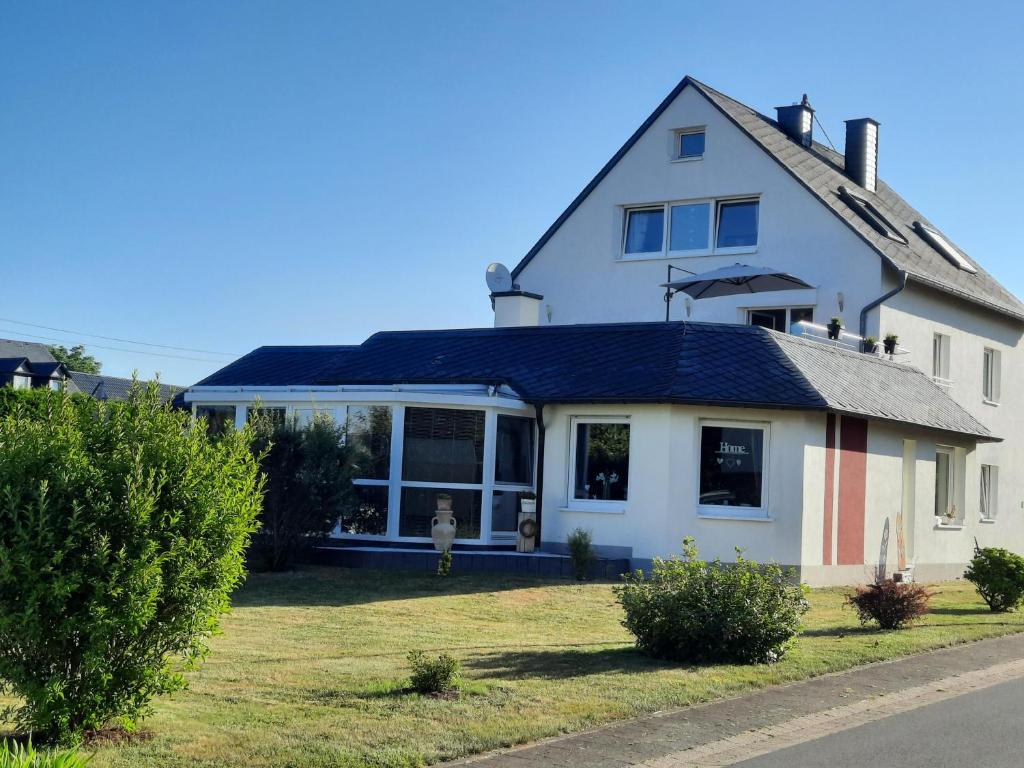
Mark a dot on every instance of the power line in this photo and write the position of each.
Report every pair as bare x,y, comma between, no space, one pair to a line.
115,338
116,349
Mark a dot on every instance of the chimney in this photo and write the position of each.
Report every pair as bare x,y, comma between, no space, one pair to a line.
862,152
796,121
515,308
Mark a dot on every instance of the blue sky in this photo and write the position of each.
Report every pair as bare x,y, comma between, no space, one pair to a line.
218,176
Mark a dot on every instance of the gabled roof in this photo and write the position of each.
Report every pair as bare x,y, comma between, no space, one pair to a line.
277,366
821,171
689,363
114,387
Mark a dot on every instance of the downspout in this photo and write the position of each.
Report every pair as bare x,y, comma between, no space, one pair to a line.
883,298
539,486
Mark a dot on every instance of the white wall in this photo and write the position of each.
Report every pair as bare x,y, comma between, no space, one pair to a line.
662,505
582,278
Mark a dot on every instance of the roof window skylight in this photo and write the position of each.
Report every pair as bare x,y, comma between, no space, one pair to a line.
874,217
936,240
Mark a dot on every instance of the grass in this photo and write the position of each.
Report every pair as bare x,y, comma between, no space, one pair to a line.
311,669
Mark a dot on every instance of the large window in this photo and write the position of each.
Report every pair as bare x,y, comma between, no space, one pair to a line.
685,228
782,319
600,460
990,375
989,491
732,466
442,452
368,435
737,224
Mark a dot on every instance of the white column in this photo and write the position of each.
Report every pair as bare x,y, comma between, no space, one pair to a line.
241,415
395,477
490,449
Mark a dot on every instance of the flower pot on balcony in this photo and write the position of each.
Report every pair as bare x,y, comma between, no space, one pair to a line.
870,346
835,327
889,344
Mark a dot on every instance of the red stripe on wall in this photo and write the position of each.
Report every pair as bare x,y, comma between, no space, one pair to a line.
830,475
853,446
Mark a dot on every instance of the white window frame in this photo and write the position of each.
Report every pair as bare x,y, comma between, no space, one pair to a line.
714,205
988,507
991,365
951,486
612,506
941,352
677,143
761,513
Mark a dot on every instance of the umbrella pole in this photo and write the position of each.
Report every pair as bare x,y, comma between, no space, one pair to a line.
668,293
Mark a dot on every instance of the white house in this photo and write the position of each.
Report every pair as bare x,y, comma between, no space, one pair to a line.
736,422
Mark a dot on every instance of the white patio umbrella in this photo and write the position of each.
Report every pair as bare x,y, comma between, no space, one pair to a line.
729,281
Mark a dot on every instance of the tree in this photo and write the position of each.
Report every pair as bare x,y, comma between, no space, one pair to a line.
308,488
122,535
76,359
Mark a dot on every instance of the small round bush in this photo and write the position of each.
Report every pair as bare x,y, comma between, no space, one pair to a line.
890,604
433,675
122,533
693,611
998,575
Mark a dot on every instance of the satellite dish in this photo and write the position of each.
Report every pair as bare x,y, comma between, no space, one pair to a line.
499,279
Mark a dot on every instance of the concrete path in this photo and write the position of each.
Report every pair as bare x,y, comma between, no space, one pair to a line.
734,730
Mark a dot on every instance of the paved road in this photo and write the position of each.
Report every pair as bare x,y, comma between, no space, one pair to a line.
983,729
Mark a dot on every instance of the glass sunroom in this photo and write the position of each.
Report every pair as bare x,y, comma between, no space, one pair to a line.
405,454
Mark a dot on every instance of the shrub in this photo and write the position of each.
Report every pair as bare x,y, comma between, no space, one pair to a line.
892,604
693,611
122,532
433,675
581,552
16,755
444,563
998,575
308,486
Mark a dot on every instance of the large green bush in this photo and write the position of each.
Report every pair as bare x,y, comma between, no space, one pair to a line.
122,532
693,611
308,488
998,575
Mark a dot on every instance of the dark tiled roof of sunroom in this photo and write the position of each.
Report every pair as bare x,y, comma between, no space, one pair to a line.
695,363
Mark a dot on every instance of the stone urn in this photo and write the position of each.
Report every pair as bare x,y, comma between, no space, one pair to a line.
442,529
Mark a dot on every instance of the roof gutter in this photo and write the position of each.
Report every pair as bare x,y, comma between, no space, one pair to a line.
883,298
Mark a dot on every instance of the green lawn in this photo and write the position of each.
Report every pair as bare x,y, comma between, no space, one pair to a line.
310,670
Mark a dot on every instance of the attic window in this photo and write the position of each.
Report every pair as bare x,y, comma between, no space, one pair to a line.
936,240
874,217
690,144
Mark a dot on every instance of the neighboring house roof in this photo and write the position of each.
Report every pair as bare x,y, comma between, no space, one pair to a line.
278,366
34,351
114,387
820,171
692,363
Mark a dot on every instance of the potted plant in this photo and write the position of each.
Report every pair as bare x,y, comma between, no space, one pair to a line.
889,343
871,345
835,326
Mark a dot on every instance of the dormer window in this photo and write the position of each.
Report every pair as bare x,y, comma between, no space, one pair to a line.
870,213
690,144
936,240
